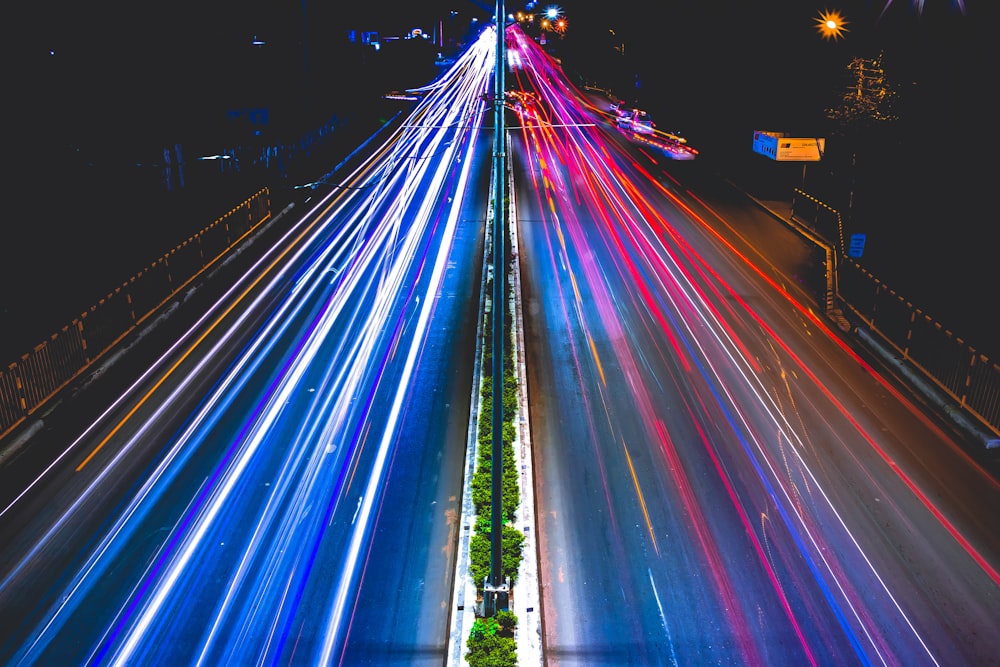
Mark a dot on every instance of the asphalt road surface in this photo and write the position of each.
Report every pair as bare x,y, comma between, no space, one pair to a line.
721,478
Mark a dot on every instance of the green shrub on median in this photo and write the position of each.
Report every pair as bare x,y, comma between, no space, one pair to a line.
491,642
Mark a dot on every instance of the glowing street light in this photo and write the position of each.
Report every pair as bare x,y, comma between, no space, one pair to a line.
553,20
831,24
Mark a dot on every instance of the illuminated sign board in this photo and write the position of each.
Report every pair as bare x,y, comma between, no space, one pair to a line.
777,146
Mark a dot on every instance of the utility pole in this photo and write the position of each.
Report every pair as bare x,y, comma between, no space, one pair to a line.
495,593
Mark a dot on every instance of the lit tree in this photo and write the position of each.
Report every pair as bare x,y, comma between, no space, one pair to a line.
869,98
865,119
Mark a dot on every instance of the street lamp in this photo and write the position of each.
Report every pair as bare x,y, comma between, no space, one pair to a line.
495,592
831,24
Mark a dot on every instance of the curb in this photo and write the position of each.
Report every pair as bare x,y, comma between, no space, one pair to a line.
525,598
526,605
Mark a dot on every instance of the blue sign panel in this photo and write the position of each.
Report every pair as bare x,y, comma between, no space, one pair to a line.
857,245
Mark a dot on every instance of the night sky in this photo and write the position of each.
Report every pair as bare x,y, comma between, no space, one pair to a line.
722,61
120,79
716,71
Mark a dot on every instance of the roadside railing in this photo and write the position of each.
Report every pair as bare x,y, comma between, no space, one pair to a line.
953,365
26,384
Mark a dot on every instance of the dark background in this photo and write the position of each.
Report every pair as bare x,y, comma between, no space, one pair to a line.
96,92
922,186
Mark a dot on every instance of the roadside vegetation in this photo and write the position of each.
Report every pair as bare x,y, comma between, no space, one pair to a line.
491,642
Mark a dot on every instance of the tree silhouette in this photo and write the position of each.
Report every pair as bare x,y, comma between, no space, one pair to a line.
865,129
869,98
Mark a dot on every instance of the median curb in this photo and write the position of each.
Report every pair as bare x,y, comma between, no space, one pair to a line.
525,593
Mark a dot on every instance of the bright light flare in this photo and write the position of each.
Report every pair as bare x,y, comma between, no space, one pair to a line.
919,4
831,24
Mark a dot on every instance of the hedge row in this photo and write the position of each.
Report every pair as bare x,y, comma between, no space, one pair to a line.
491,641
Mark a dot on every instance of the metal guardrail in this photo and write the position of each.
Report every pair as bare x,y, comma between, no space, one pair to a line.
955,367
963,373
967,376
26,384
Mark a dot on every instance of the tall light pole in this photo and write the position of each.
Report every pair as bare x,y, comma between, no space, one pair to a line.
495,594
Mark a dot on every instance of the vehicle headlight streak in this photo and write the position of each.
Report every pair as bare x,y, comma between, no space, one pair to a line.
639,235
386,265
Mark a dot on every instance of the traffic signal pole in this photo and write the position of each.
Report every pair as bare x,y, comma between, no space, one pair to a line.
495,593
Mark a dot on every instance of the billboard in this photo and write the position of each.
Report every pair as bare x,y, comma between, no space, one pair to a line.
777,146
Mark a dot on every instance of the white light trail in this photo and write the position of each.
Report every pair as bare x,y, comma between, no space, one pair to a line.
367,293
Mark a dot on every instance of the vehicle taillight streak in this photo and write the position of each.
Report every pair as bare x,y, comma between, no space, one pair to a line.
289,450
686,373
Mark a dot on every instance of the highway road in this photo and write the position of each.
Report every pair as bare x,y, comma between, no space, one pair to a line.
283,484
722,476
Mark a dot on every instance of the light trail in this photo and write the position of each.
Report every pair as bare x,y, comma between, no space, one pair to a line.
372,264
691,308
